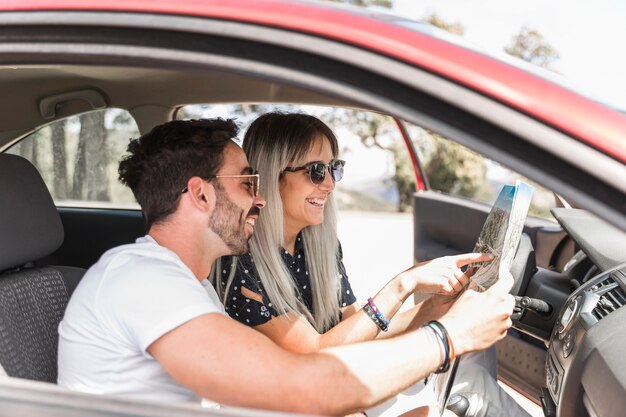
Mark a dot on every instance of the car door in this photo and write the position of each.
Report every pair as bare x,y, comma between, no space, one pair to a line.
459,187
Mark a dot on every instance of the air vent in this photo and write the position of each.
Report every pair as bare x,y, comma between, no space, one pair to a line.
611,296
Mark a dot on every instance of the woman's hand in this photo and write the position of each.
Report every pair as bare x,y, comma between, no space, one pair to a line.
441,276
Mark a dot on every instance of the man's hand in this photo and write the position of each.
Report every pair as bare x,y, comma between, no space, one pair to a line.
441,276
478,320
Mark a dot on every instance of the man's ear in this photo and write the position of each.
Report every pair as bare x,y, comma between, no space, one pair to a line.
201,193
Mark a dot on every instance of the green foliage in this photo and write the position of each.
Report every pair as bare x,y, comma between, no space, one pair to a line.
379,131
531,46
435,20
454,169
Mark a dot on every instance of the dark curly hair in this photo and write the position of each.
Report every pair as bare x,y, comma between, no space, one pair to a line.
161,162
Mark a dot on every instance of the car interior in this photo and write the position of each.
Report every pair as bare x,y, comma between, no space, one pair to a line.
567,358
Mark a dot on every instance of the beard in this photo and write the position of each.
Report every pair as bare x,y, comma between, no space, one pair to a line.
228,221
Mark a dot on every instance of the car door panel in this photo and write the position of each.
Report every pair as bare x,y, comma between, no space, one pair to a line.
91,232
445,225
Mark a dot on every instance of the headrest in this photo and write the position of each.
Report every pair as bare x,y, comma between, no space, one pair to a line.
30,225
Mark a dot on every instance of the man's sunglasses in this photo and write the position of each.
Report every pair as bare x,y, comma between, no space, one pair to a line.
252,184
317,170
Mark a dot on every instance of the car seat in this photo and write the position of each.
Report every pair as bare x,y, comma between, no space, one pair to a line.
32,298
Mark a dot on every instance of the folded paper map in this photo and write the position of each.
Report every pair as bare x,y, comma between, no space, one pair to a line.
499,236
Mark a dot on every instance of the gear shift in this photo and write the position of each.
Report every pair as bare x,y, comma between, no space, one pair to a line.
458,404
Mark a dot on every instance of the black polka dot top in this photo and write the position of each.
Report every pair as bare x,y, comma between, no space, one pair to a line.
256,308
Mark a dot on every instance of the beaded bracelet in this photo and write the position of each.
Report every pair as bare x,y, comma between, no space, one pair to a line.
443,335
384,326
372,315
379,314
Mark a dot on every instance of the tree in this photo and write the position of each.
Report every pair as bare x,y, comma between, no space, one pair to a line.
456,27
59,165
80,167
455,169
379,131
531,46
90,179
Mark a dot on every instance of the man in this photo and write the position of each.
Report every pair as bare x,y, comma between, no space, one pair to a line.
145,323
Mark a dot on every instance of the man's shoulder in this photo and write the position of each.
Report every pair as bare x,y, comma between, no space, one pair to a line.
140,264
140,254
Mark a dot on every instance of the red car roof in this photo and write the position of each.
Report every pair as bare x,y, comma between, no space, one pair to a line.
602,128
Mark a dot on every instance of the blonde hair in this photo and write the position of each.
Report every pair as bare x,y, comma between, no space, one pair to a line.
270,143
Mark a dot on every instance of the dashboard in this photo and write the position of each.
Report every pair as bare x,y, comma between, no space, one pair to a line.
586,360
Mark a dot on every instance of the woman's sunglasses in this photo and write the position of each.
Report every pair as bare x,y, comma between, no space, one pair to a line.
317,170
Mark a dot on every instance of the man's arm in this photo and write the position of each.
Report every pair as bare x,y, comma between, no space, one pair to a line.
232,364
227,362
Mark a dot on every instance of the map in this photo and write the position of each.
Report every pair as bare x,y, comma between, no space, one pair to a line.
499,236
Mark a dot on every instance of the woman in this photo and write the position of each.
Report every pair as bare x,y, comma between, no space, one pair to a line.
293,286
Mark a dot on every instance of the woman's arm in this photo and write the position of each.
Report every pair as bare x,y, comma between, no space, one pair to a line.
441,276
295,333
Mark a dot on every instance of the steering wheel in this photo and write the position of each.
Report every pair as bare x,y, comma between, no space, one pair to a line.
523,266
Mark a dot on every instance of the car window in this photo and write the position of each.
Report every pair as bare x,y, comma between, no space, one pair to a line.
78,158
456,170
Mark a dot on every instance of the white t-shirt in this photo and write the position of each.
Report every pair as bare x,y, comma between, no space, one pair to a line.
132,296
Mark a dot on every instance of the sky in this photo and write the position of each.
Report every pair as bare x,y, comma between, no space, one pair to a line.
589,35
